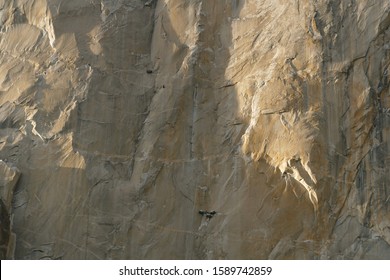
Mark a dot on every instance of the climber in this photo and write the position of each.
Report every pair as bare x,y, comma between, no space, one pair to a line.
208,214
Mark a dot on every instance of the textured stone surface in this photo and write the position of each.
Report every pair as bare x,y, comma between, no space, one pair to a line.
9,176
127,117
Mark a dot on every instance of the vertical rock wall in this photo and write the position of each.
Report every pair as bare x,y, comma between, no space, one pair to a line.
125,118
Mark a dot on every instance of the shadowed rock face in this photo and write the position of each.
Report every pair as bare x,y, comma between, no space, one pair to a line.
9,176
4,231
126,119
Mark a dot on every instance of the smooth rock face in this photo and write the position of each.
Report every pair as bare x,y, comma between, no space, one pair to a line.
123,119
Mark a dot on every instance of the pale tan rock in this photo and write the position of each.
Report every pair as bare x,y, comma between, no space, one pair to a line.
125,118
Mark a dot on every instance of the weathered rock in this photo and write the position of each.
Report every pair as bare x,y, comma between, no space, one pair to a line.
9,176
128,117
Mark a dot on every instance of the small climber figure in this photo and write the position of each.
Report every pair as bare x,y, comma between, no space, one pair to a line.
208,214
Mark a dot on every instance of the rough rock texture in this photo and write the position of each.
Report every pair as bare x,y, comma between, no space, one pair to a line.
127,117
9,177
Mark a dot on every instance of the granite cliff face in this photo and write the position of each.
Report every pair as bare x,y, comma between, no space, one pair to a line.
121,119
